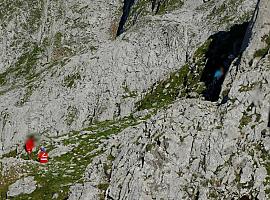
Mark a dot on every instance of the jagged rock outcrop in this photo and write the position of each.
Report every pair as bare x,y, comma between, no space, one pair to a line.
127,117
52,96
180,153
25,185
195,149
258,30
38,39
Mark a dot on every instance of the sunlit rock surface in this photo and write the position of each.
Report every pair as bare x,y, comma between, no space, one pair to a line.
126,117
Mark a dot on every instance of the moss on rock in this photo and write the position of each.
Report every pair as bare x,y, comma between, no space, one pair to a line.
263,51
65,170
181,83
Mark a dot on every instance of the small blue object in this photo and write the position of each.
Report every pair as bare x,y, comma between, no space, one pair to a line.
218,74
42,149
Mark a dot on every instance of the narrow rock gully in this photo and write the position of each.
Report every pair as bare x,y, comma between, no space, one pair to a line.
224,48
126,9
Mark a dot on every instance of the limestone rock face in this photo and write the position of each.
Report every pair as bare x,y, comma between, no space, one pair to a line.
23,186
70,73
258,30
195,149
39,38
126,117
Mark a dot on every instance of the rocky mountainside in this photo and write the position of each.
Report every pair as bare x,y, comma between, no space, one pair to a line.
122,95
65,74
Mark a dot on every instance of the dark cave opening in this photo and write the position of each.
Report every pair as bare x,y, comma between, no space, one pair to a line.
225,46
126,9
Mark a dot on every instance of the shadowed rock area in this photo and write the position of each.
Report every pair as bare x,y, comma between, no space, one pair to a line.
223,49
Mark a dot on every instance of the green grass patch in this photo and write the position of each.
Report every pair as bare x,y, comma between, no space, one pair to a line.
58,39
144,7
179,84
103,186
149,147
227,12
262,52
70,80
11,154
8,7
111,158
169,5
23,68
140,7
166,91
31,10
245,120
56,177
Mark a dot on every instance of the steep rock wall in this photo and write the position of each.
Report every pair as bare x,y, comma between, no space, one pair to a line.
194,149
52,97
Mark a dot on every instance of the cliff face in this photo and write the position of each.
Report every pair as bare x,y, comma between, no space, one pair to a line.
147,120
195,149
61,71
43,45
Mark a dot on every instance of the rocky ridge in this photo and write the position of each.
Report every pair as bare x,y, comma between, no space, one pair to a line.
195,149
179,146
54,95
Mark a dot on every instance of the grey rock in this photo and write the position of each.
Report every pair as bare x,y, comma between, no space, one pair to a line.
25,185
196,149
191,149
60,150
72,90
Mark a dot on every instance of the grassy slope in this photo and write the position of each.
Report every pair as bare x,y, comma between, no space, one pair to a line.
65,170
61,172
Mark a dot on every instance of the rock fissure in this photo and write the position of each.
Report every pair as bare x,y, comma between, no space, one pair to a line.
125,13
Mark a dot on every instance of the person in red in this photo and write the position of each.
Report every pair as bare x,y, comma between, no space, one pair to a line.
43,155
30,145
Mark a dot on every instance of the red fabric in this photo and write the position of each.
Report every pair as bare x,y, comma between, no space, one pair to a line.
43,157
29,145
